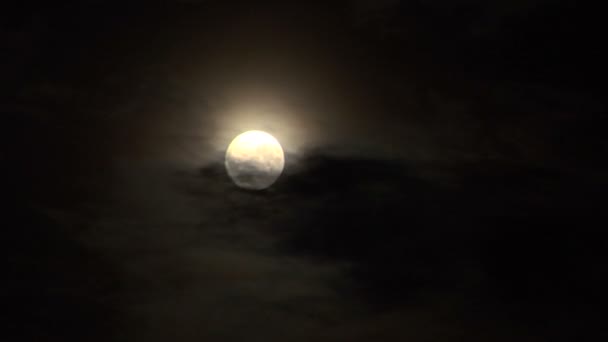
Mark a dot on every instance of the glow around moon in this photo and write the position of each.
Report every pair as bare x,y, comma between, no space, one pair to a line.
254,160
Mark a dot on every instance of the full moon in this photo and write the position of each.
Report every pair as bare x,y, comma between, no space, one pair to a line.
254,160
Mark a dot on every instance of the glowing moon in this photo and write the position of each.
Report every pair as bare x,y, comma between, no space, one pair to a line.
254,160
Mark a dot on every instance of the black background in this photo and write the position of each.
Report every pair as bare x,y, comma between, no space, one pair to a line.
496,233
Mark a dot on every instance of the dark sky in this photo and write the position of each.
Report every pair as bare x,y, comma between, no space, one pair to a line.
445,172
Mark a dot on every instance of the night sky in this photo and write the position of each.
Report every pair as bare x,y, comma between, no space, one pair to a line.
445,175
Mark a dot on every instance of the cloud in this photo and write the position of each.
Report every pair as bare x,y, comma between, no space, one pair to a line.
342,247
339,248
53,287
199,260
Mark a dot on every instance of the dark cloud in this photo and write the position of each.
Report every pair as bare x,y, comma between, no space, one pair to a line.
341,243
53,288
